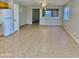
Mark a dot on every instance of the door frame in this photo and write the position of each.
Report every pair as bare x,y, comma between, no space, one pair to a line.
16,17
39,15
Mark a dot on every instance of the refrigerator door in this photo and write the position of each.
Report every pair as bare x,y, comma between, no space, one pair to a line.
8,27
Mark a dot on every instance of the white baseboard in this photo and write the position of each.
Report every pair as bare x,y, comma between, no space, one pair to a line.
72,35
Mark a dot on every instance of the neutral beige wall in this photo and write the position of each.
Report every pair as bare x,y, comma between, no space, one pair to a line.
72,25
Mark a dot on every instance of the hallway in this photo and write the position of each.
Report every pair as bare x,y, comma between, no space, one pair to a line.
39,41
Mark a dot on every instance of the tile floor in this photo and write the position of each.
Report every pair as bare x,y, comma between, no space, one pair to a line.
34,41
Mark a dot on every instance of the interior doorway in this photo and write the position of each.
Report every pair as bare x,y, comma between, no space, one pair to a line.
1,30
35,16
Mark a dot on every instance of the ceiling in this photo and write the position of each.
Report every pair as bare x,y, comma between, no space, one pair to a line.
37,2
4,0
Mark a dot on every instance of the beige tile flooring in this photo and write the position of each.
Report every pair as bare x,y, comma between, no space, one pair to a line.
35,41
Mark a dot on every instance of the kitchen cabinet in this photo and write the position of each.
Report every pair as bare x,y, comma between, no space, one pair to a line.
4,5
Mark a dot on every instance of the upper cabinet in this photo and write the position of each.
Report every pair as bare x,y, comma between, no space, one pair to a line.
4,5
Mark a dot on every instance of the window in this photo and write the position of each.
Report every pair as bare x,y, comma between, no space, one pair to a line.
66,13
50,13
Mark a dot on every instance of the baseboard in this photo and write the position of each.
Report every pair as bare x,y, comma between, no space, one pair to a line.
71,35
22,25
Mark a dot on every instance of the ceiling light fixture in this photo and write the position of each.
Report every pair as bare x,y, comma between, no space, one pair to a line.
44,3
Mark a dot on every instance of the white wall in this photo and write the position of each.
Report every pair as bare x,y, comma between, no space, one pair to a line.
22,12
44,20
28,15
0,21
72,26
52,20
22,15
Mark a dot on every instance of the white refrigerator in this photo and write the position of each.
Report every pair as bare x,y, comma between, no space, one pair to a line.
6,16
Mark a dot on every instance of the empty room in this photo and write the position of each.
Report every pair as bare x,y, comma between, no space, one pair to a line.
39,28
